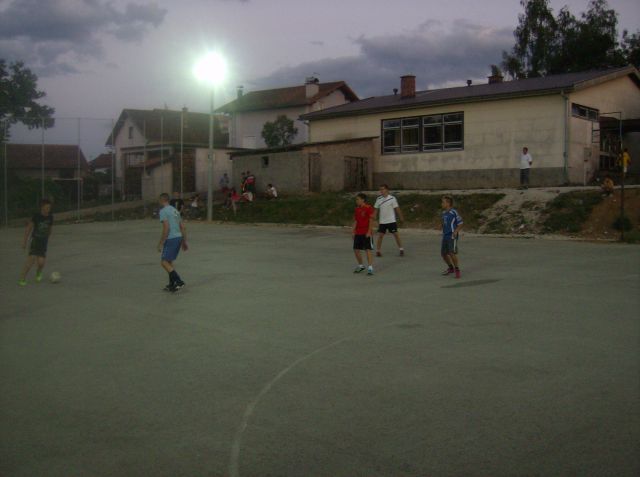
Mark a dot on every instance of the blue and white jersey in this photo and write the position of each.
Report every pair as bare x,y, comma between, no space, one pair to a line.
450,220
172,217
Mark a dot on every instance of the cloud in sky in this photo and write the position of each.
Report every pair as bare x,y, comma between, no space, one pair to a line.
436,54
54,36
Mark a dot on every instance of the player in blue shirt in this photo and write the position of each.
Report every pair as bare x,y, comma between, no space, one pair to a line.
451,226
173,238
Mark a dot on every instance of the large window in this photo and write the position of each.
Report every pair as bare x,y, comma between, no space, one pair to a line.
585,112
437,132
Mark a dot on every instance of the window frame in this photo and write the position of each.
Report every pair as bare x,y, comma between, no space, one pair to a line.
587,116
422,145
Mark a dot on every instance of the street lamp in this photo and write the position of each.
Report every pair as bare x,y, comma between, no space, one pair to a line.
211,70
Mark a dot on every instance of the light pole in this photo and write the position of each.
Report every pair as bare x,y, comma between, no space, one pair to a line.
211,70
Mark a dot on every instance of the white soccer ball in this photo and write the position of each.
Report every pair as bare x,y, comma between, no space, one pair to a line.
55,277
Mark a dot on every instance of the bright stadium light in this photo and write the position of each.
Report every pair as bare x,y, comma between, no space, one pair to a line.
211,69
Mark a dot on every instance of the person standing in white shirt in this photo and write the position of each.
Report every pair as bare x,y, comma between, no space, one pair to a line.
525,168
388,214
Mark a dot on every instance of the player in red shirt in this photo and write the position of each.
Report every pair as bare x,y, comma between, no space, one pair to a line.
363,233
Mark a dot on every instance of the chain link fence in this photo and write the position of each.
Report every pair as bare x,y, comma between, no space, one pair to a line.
65,160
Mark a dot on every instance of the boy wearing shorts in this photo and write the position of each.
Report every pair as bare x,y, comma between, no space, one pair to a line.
451,226
38,230
173,238
388,215
362,233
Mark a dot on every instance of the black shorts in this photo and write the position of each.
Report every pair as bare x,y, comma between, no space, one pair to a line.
38,247
362,242
449,246
384,228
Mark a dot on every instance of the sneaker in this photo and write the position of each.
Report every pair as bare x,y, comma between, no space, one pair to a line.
22,283
178,286
370,271
359,269
378,254
402,252
448,271
457,273
38,277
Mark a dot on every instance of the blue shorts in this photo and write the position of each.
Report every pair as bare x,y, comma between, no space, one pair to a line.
449,246
171,249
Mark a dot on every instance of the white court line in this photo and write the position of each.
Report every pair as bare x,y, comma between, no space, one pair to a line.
248,412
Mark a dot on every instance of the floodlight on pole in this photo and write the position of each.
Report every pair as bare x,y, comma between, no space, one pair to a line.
211,70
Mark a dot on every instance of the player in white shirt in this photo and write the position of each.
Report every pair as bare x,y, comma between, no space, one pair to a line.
388,215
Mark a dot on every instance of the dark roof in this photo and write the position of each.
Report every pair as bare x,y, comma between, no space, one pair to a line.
482,92
164,124
284,97
103,161
56,156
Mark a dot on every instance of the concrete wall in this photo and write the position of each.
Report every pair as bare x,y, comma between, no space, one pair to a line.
287,171
494,134
332,158
221,164
250,124
157,180
617,95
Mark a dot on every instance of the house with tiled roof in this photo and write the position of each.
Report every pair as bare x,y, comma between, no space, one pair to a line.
163,150
54,161
102,163
573,124
251,110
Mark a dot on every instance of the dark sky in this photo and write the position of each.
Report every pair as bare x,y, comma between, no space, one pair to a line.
96,57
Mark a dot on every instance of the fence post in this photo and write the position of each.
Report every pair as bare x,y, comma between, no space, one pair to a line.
6,171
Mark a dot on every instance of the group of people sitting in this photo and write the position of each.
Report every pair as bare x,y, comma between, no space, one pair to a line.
247,190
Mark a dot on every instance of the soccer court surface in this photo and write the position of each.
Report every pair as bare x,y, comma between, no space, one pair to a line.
277,360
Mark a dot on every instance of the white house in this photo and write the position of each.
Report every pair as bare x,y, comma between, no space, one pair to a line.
161,150
250,111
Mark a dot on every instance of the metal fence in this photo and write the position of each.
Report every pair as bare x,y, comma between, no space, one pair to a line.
56,159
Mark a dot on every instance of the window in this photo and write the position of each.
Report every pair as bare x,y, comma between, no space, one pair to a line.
585,112
130,132
265,161
440,132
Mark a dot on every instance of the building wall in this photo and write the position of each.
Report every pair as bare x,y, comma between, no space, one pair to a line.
250,124
617,95
122,140
287,171
156,181
221,164
494,134
332,158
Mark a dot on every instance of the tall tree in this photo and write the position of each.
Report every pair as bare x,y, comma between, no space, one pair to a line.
19,97
549,45
534,36
280,132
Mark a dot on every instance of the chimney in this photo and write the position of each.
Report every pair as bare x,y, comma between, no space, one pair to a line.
494,79
311,87
407,86
469,82
240,91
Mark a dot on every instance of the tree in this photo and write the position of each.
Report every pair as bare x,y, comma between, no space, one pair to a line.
18,98
534,40
280,132
550,45
631,47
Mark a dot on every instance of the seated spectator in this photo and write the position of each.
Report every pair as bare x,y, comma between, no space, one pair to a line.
177,203
607,186
271,192
247,196
232,199
194,207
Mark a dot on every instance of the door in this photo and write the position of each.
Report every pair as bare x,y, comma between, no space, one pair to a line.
315,172
355,173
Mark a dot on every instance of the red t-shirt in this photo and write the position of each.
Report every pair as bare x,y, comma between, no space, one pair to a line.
362,216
